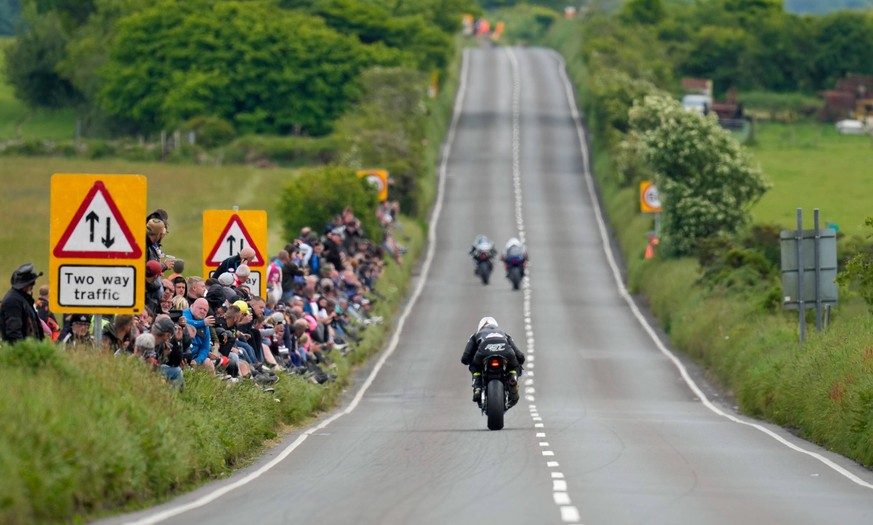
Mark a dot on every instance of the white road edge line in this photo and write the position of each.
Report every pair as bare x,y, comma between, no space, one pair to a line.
616,273
425,269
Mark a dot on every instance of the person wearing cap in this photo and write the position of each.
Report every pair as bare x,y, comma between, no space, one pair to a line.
18,316
154,286
156,230
78,336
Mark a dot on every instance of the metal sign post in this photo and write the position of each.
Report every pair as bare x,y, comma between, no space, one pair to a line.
806,252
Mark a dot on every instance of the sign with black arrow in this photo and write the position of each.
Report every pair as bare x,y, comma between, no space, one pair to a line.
95,228
227,232
97,260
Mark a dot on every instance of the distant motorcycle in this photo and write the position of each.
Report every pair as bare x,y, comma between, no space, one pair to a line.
484,266
495,394
515,270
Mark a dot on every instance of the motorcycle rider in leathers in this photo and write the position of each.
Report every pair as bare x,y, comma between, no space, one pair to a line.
514,248
482,245
487,341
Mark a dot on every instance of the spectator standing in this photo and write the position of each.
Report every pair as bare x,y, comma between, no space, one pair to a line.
245,256
18,316
178,269
333,248
180,286
42,309
196,289
154,288
289,272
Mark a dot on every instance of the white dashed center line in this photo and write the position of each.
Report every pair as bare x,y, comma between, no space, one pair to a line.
569,513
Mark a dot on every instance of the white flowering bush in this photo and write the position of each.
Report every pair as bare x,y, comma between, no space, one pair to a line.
706,181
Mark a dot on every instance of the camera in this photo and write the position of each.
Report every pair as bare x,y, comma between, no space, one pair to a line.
175,315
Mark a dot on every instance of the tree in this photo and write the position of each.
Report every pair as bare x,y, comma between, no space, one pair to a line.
842,45
425,42
262,68
777,58
317,195
717,53
643,11
705,179
386,129
32,65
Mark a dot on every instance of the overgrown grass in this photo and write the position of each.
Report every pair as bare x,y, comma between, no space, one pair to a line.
89,434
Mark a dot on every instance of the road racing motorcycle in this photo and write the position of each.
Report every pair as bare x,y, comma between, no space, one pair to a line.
515,270
484,265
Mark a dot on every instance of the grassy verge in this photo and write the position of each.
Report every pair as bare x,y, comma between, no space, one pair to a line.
89,434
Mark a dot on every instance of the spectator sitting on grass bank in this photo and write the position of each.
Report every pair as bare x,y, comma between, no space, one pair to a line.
169,337
118,335
199,322
77,336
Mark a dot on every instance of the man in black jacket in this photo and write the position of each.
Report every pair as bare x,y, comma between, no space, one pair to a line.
18,317
490,340
245,256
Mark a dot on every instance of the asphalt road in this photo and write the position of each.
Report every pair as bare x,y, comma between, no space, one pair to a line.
608,430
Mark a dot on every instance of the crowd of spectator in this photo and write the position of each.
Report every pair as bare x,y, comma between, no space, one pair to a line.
317,304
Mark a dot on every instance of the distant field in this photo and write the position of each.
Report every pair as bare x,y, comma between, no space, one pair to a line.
183,190
812,166
17,121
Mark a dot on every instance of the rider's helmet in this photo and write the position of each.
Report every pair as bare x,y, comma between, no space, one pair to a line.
482,242
513,242
486,322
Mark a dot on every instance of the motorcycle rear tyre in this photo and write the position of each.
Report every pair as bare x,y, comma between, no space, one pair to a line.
483,272
515,277
496,404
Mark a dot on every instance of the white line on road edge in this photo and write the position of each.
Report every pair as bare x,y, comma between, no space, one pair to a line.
616,273
569,513
425,269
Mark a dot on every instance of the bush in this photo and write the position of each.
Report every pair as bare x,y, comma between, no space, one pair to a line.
211,132
780,105
317,195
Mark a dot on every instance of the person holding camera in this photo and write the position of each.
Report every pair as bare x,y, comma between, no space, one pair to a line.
198,322
168,349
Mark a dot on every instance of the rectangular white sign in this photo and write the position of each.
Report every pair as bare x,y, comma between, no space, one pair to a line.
98,286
